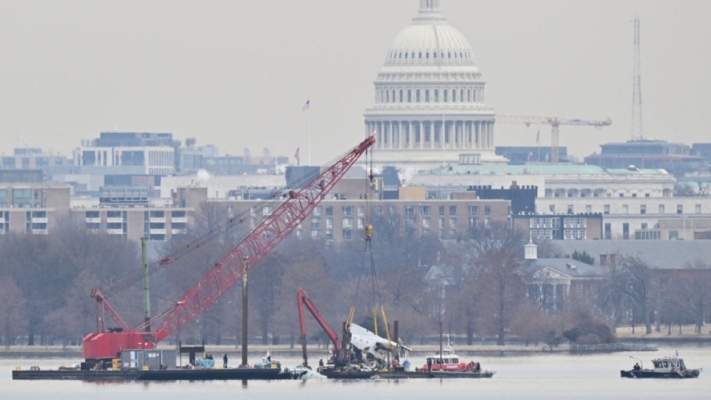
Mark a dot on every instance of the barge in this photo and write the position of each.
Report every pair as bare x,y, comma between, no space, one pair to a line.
157,375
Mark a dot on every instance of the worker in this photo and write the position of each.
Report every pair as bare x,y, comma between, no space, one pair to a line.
224,361
429,364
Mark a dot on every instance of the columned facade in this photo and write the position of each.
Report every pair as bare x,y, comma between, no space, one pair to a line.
429,98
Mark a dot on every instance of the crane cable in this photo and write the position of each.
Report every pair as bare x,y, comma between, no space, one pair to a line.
368,253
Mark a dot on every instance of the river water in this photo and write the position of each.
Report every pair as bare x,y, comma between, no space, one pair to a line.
541,376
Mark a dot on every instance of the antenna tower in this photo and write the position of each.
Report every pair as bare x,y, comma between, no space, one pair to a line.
637,131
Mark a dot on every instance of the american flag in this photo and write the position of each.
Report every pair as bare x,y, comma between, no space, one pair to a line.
538,134
296,156
306,106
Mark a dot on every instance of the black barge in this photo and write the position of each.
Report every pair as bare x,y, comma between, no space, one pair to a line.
157,375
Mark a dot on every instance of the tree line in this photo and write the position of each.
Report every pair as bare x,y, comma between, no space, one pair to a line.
478,290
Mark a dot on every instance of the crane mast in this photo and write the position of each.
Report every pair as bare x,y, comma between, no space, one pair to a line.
298,204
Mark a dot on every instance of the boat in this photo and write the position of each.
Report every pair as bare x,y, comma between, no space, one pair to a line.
446,360
671,367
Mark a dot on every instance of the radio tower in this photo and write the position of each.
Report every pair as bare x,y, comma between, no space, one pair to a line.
637,129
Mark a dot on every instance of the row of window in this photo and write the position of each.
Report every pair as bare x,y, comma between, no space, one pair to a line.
406,96
625,209
419,55
147,214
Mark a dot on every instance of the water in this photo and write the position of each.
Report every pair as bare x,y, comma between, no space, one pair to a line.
545,376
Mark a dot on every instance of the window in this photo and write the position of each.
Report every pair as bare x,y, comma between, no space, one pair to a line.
444,94
361,211
588,209
347,211
425,210
452,210
570,209
266,211
625,209
401,89
473,210
679,208
551,207
329,211
441,222
661,209
436,95
608,231
625,230
441,210
426,223
473,222
487,210
643,209
606,209
347,223
417,95
347,234
697,209
315,223
409,96
361,223
622,195
453,223
644,225
317,211
409,211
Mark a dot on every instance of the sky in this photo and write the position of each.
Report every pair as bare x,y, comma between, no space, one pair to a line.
236,74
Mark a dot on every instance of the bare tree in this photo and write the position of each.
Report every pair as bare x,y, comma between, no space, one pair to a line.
12,311
632,280
499,270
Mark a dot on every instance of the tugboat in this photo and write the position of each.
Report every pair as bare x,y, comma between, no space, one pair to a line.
447,362
665,367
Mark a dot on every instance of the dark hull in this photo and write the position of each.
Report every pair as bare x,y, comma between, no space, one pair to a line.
659,375
157,375
335,374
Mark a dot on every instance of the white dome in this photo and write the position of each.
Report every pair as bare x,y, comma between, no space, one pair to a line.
430,40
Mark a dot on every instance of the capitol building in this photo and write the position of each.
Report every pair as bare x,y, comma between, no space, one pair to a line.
430,105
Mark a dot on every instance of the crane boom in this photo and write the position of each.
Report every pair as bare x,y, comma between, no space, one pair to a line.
303,300
298,204
555,124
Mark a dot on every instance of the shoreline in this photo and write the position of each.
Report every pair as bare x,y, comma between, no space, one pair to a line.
258,351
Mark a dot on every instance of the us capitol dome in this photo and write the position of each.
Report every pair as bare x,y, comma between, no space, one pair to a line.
429,99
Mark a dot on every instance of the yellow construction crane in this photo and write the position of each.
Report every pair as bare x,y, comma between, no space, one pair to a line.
555,124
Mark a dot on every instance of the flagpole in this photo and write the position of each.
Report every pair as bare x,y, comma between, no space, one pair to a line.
309,135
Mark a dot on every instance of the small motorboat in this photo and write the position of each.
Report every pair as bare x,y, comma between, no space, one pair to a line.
665,367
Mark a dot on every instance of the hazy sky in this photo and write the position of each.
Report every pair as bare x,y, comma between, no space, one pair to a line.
236,73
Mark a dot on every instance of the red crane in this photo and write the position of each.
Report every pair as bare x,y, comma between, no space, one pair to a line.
297,205
303,300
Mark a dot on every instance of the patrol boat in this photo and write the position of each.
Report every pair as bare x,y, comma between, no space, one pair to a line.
665,367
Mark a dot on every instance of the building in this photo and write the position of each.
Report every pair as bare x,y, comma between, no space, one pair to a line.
32,207
521,155
37,208
342,216
676,158
559,227
429,98
128,153
32,158
552,181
